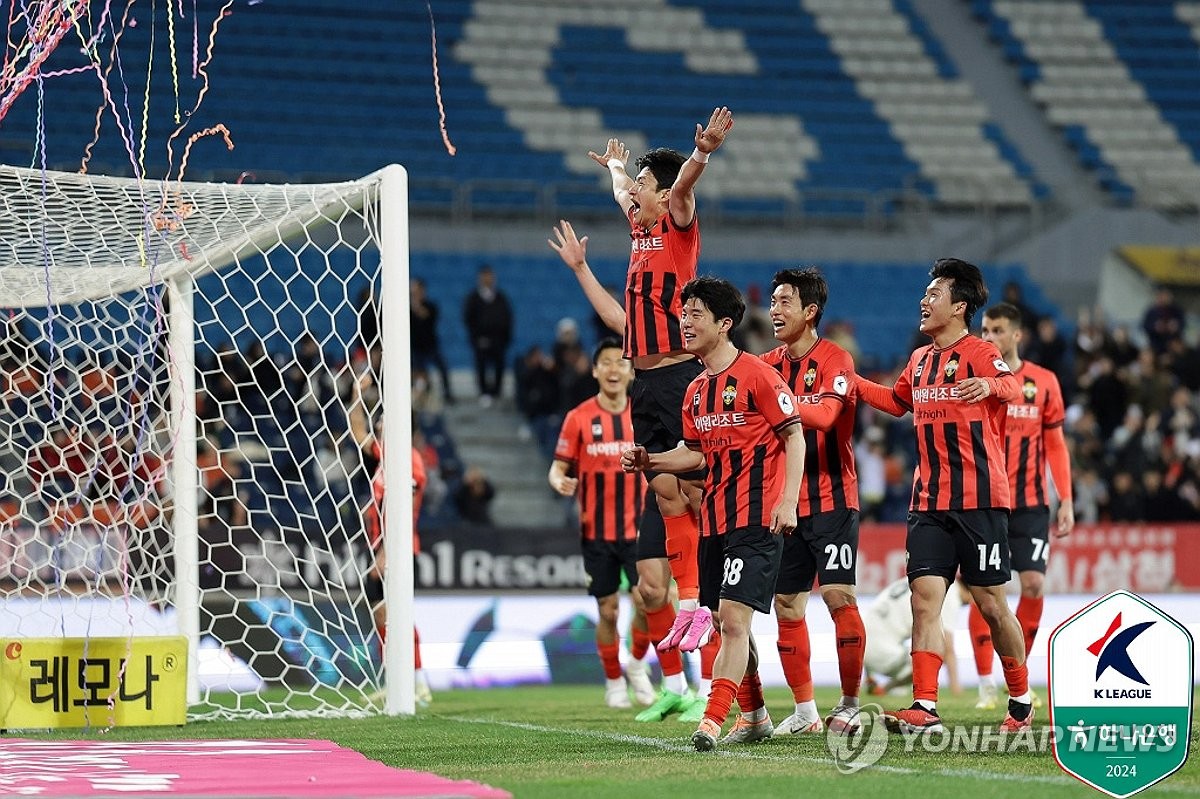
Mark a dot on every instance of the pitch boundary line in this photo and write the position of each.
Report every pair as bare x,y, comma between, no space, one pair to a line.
742,754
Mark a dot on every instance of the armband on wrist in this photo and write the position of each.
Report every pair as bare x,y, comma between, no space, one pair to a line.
613,163
699,156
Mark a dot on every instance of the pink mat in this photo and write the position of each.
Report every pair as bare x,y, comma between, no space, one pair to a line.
253,768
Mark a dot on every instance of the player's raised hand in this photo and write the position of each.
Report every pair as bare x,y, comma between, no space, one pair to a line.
572,249
616,149
635,459
710,138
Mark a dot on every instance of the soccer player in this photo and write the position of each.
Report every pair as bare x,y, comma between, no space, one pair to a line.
739,419
825,543
1033,438
587,465
956,388
372,443
660,205
889,624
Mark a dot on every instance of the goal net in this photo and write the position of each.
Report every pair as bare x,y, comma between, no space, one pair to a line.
181,363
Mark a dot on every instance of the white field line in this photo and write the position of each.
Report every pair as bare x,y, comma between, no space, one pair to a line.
753,753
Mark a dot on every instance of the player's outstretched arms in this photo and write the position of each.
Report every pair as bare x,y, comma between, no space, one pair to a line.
573,252
682,202
879,397
614,159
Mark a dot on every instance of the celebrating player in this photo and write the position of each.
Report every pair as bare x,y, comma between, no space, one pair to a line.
826,539
1033,437
660,206
956,388
372,443
593,436
739,419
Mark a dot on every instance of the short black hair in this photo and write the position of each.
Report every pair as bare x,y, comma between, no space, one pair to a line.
967,284
809,284
1005,310
664,163
719,296
607,343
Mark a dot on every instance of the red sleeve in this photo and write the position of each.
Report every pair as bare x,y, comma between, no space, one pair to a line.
889,400
824,414
691,436
780,409
567,449
1059,460
991,367
1005,388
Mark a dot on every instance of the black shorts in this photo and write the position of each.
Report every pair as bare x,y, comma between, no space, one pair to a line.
1029,538
824,544
942,542
603,562
741,565
657,407
652,531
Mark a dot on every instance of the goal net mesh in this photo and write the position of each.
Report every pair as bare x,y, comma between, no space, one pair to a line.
101,391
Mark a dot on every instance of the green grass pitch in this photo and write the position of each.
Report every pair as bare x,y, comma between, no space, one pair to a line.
555,741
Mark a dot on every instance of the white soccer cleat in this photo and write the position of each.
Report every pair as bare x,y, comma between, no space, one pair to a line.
796,724
616,694
749,732
844,720
638,674
987,697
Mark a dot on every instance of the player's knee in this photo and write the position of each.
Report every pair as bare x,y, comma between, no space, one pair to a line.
733,627
790,607
1033,585
838,596
992,609
609,609
653,594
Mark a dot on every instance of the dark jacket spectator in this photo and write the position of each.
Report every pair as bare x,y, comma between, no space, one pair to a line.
488,317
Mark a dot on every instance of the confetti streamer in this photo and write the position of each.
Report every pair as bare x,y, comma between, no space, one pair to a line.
437,85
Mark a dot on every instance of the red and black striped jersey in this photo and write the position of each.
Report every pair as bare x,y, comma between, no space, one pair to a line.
735,418
374,520
610,499
1039,408
960,446
820,381
663,260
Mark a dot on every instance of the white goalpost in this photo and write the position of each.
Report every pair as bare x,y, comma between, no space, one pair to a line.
179,366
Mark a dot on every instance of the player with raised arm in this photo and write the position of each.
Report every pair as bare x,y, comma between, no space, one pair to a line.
956,388
659,203
1033,439
825,543
739,420
587,465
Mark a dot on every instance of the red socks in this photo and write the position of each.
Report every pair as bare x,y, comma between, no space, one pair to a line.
641,643
1029,614
659,623
981,641
851,647
720,699
708,655
795,652
683,542
610,658
749,693
1016,676
926,666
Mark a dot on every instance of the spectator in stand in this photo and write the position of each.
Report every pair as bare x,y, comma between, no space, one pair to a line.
756,333
1126,503
1162,503
474,498
576,383
1120,347
538,397
1013,294
488,317
423,324
1091,496
1163,321
1107,394
872,473
1184,362
1048,348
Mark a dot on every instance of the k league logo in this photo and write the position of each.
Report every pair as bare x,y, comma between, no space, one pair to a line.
1121,676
